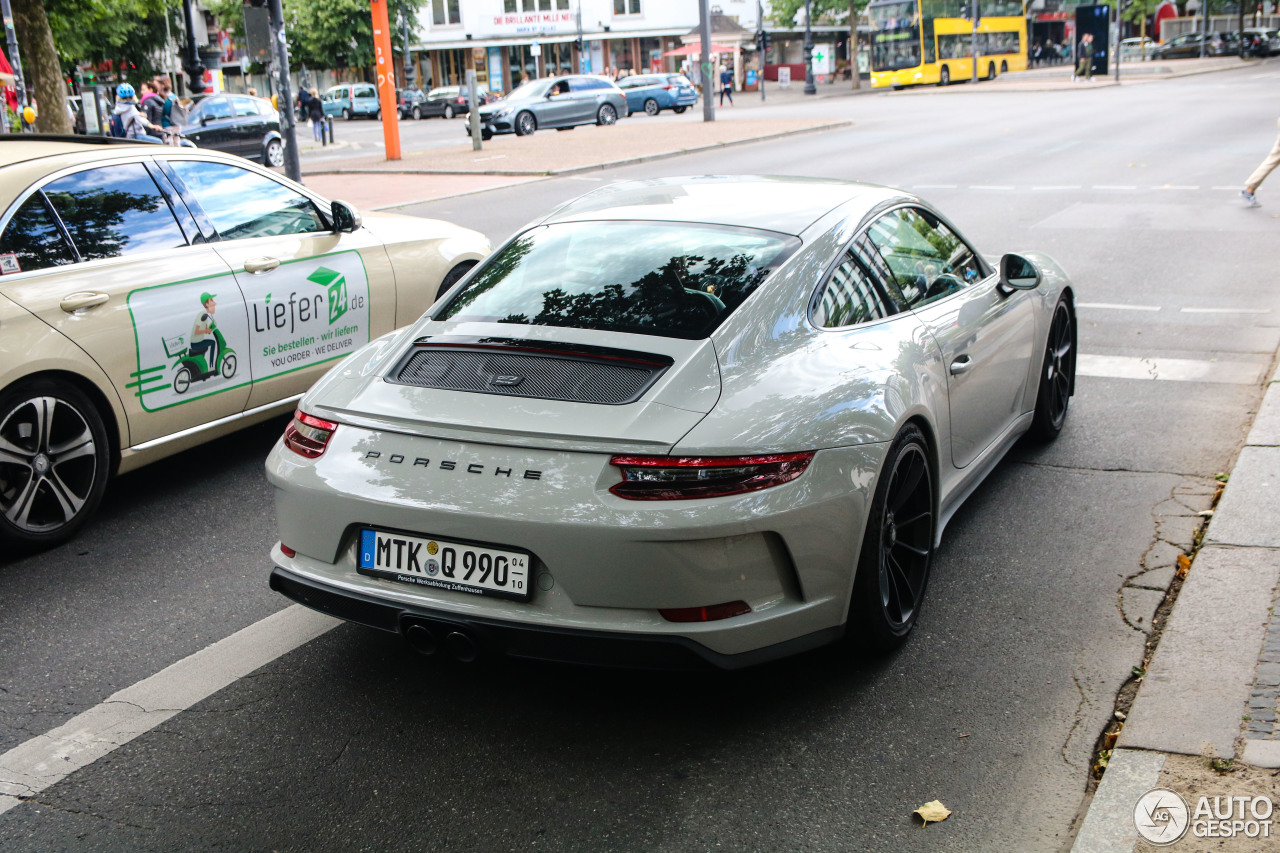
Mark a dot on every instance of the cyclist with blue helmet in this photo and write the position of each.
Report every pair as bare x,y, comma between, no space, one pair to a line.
131,121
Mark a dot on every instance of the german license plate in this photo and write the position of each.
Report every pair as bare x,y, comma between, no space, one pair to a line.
443,564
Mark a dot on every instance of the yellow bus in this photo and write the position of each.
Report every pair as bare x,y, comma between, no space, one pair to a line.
915,42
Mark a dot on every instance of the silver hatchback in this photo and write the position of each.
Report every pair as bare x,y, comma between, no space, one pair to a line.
565,101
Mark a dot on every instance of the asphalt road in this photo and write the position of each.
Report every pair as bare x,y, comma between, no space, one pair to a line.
351,742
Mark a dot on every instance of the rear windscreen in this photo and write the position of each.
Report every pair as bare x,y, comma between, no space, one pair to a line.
670,279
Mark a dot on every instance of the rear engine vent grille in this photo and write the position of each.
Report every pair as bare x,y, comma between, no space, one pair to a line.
547,376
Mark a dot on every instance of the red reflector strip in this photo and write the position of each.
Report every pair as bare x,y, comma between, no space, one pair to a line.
307,435
287,551
713,613
673,478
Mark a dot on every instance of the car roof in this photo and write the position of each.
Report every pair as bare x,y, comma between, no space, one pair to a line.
787,205
20,148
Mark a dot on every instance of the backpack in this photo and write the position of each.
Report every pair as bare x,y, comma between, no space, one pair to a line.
116,126
177,113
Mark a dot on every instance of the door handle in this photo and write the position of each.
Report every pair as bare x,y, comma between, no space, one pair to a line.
74,302
961,365
261,265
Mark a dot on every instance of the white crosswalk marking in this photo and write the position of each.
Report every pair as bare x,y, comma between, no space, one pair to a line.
1117,306
1171,369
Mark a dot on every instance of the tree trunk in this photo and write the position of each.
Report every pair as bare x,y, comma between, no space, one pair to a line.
43,70
853,44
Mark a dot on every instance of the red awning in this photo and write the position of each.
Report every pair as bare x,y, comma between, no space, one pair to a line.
695,49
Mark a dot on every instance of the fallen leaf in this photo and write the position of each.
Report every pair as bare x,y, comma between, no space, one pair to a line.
966,734
1184,565
933,812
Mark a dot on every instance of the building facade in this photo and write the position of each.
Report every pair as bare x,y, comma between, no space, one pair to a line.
509,41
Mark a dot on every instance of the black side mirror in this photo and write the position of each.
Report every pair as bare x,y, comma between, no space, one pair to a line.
345,217
1018,273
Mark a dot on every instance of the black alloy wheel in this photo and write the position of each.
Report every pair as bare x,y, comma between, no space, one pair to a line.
54,462
897,545
606,115
274,155
651,107
1057,375
944,79
526,124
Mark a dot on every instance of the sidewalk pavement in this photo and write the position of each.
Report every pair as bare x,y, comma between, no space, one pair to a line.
1212,689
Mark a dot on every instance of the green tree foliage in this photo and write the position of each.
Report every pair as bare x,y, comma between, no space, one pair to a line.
829,11
321,31
128,33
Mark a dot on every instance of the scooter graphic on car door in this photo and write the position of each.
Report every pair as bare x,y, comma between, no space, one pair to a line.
207,355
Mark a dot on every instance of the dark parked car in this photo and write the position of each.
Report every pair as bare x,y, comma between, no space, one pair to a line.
407,99
237,124
653,93
1262,41
559,102
448,101
1187,45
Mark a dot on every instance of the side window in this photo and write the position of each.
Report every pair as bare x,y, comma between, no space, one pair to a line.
113,211
244,107
243,204
365,92
926,260
847,298
216,108
33,238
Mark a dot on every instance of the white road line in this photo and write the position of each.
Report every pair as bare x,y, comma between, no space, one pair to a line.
1106,187
989,187
1076,187
1117,306
47,759
1173,187
1173,369
1226,310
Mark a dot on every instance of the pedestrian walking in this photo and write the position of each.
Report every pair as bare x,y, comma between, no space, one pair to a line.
1259,175
726,85
315,111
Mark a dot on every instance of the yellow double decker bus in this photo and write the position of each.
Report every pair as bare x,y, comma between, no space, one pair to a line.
915,42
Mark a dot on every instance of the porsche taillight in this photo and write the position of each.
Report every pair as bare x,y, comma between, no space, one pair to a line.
307,435
676,478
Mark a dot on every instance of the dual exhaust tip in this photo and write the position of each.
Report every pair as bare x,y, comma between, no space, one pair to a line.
452,640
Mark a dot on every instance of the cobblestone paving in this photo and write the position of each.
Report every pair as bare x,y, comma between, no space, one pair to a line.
1265,699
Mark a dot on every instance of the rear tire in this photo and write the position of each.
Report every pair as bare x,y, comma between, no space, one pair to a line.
228,365
606,115
944,79
182,380
417,114
448,111
1057,375
55,471
1004,67
274,153
897,546
678,110
991,71
346,114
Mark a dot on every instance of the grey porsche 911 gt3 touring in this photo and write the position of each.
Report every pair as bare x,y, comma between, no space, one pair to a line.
674,423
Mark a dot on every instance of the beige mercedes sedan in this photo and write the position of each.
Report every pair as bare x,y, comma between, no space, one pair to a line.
152,298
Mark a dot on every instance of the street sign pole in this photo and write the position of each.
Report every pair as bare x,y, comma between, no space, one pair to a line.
760,45
973,39
284,101
386,78
708,85
809,88
473,109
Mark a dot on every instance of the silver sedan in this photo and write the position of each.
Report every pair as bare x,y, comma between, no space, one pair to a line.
674,423
558,102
